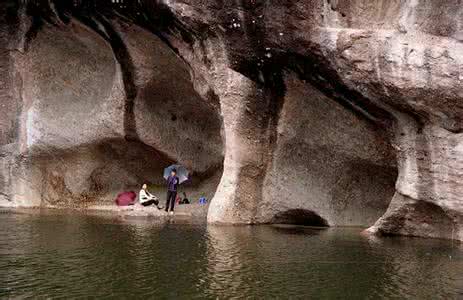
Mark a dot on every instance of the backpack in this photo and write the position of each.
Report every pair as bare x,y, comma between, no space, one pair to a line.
202,200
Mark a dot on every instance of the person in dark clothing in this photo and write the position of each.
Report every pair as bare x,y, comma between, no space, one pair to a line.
172,184
185,199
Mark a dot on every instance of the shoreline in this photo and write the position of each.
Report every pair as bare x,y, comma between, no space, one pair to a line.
186,212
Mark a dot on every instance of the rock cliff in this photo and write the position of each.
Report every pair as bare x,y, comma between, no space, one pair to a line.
326,112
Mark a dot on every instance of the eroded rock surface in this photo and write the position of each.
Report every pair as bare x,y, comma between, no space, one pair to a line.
317,107
101,114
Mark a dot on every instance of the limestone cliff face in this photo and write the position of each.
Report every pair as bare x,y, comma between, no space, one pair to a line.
315,112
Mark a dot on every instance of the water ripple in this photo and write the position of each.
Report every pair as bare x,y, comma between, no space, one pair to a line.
88,257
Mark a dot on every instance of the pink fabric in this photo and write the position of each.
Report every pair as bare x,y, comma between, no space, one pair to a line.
126,198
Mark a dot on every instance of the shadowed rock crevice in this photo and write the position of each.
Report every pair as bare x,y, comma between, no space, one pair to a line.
128,70
102,26
299,217
10,108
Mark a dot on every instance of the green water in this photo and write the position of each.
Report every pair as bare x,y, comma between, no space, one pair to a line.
78,256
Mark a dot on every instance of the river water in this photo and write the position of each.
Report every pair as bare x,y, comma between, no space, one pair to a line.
72,256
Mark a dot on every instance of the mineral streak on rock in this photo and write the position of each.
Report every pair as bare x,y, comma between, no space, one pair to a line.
328,112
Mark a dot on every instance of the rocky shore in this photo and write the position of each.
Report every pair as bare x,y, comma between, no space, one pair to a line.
192,213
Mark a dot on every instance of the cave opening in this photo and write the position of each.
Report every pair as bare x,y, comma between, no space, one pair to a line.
76,129
299,217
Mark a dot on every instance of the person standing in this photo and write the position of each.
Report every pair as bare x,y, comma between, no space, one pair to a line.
172,185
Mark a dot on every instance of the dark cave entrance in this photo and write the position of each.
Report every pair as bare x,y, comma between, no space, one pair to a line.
299,217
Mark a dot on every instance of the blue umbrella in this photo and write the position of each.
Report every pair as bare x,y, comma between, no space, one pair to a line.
182,172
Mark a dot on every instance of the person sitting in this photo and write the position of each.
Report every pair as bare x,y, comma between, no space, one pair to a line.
145,197
185,199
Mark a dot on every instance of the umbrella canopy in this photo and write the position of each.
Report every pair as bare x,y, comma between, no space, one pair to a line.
126,198
182,172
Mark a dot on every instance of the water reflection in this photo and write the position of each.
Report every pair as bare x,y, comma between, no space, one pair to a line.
294,261
229,260
419,268
82,256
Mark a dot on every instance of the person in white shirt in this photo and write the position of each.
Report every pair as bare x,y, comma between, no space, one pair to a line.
145,198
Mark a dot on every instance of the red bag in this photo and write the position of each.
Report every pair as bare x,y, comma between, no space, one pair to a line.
126,198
